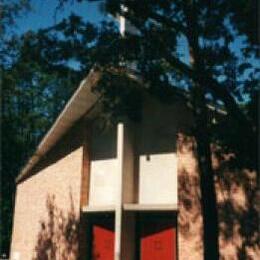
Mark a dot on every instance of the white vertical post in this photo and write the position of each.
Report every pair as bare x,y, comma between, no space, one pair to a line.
122,25
122,22
118,208
125,25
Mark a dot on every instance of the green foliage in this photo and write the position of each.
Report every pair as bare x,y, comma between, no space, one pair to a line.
9,11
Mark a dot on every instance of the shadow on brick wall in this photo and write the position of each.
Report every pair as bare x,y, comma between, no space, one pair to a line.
238,209
238,206
58,234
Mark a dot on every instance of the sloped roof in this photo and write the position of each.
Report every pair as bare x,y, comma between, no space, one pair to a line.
79,104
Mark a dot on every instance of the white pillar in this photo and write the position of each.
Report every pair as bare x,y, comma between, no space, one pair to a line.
118,208
122,25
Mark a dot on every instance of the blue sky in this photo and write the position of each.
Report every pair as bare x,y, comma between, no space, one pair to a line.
43,14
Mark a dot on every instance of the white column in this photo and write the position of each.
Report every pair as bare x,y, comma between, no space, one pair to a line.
118,209
122,25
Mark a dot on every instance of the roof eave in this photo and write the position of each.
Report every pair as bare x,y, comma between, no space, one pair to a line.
78,105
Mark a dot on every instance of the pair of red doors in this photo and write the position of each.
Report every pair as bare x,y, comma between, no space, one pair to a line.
156,239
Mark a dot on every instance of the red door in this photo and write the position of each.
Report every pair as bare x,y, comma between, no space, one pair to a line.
158,239
103,240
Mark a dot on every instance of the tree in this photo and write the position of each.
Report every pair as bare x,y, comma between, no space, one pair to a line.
209,29
9,11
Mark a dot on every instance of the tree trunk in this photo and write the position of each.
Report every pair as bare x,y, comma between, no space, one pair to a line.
202,135
208,193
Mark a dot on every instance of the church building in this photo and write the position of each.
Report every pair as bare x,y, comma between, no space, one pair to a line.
128,192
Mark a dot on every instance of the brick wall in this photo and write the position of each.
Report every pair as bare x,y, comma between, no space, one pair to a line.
237,202
47,205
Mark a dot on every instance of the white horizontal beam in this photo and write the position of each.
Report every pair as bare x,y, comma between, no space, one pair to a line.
105,208
150,207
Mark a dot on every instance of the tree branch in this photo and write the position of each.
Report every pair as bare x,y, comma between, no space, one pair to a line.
168,22
214,87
